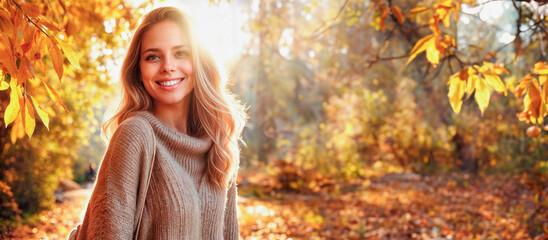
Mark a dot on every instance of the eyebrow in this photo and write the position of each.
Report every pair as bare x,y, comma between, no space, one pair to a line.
158,50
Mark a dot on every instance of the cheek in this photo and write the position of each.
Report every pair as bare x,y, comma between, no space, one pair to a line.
187,67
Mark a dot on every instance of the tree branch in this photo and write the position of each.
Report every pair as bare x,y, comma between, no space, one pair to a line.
325,23
28,18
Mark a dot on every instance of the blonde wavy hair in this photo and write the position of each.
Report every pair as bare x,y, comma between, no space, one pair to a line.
213,109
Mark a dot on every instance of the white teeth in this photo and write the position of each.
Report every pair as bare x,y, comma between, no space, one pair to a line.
170,83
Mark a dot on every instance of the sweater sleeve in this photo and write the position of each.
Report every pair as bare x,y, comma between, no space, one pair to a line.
231,225
111,211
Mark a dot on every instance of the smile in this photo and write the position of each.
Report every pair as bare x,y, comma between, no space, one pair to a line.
169,82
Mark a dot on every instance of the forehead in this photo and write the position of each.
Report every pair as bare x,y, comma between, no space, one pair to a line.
164,35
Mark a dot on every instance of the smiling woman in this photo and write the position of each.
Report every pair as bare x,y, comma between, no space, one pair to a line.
170,168
166,70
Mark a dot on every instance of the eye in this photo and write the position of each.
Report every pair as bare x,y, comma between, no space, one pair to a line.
182,54
152,57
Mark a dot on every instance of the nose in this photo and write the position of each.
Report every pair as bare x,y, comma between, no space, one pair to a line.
168,65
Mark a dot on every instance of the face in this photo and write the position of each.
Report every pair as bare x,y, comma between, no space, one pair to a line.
166,64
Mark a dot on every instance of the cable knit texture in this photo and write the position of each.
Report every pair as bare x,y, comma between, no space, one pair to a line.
177,206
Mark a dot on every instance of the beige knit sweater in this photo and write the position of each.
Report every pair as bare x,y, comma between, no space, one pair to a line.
175,208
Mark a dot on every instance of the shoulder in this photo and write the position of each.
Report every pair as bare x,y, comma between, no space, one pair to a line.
134,129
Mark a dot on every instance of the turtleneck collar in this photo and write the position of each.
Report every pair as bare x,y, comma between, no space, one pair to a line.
174,140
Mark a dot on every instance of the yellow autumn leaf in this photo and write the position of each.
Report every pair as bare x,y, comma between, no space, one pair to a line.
29,122
471,84
433,55
4,85
399,16
53,95
41,112
70,54
421,46
494,81
541,68
56,58
456,92
482,94
13,107
445,3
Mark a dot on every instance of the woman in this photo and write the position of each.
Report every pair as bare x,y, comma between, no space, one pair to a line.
172,85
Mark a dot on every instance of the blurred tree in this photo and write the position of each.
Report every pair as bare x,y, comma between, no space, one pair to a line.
319,69
352,89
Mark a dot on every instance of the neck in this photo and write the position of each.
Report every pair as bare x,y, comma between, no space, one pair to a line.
173,116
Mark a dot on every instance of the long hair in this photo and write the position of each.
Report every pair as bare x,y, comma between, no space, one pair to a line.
213,109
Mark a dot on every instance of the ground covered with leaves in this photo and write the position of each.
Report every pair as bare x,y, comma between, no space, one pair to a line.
397,206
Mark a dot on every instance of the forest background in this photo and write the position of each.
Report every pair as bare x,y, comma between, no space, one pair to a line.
368,118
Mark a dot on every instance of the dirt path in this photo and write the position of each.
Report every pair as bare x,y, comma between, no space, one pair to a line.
55,223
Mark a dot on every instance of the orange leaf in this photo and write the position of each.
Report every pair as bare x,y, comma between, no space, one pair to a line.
399,16
53,94
421,46
49,24
434,25
30,9
418,9
523,84
384,13
382,23
27,67
6,25
28,32
6,57
500,69
545,92
56,58
26,47
443,42
535,109
533,132
17,130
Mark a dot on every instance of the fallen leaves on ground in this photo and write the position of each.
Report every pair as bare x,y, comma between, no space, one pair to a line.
442,207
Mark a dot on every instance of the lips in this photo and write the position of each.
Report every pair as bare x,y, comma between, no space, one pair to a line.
169,83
